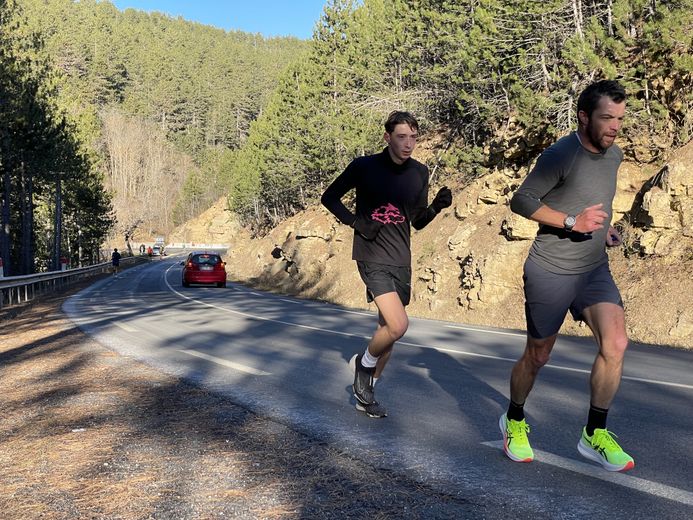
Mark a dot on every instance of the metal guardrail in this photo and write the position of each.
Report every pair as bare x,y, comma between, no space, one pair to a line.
19,289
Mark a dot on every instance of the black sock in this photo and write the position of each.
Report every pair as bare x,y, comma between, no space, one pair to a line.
596,419
516,412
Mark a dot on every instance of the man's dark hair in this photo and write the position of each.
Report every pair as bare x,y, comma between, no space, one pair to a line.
589,98
397,118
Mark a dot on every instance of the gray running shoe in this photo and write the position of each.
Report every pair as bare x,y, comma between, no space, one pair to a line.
363,382
374,409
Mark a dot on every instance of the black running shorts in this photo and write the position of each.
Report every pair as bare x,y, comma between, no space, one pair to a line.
549,296
382,279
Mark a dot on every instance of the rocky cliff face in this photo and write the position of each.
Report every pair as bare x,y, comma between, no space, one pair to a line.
467,264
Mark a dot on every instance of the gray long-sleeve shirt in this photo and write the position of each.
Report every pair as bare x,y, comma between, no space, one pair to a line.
569,178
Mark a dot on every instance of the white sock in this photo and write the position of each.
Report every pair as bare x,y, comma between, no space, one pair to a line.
367,360
375,380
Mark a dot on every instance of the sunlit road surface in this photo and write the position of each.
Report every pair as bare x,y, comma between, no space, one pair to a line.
445,387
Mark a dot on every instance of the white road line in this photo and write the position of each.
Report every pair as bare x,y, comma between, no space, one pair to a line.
230,364
290,301
359,313
656,382
126,328
570,369
418,345
472,329
620,479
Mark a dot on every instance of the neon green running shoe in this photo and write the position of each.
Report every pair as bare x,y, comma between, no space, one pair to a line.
602,448
515,442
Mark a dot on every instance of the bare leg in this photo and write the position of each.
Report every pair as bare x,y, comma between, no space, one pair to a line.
385,356
392,324
382,361
608,324
535,356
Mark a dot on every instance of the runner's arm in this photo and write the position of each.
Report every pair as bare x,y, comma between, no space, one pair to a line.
332,198
527,200
442,200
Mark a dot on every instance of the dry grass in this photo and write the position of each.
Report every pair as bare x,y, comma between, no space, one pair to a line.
86,433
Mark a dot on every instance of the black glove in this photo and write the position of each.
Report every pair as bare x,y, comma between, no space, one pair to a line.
366,227
443,199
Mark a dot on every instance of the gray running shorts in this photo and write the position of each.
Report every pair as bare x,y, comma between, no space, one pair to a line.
382,279
549,296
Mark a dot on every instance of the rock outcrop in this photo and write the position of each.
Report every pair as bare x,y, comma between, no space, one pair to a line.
662,212
467,264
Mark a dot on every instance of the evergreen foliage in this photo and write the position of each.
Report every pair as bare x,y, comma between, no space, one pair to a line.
46,175
498,79
135,83
271,122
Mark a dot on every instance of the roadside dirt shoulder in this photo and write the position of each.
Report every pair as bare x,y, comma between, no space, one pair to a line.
86,433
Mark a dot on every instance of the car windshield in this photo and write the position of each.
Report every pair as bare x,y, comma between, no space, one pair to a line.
206,259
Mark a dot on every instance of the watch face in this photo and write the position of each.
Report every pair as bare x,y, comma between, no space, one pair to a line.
569,221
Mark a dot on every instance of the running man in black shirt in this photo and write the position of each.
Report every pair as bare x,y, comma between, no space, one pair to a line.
391,194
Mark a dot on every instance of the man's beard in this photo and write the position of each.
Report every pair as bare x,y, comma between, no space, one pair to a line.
594,140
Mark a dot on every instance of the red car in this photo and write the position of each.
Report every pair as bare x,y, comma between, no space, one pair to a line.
203,267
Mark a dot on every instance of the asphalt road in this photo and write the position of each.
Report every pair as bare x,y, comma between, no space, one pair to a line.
444,389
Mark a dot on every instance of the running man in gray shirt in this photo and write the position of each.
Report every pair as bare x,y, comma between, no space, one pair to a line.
569,193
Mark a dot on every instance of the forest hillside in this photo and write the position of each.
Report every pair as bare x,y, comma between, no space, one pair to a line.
140,121
493,82
152,110
168,100
467,264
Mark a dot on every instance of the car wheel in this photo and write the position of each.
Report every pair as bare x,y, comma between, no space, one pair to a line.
221,284
185,284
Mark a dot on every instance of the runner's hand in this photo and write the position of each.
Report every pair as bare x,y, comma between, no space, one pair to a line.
366,227
590,219
442,200
613,237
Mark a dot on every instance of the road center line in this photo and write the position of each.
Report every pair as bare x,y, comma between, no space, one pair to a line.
224,362
358,312
501,333
620,479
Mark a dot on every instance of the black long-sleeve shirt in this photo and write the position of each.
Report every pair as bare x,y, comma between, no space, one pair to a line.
393,194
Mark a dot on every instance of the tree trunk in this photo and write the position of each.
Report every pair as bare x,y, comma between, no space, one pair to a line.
577,17
610,17
5,232
23,249
79,245
57,230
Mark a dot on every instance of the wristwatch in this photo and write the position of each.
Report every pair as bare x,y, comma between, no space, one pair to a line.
569,222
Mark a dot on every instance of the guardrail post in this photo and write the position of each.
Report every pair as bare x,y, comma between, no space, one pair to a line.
2,269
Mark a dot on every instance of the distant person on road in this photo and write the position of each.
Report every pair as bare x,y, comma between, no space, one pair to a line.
115,260
142,249
570,193
391,194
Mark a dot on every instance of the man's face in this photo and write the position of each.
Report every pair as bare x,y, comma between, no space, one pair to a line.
602,127
401,142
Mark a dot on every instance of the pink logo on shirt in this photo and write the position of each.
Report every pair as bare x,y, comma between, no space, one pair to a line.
387,214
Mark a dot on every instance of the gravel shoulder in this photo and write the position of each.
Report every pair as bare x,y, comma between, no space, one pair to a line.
87,433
